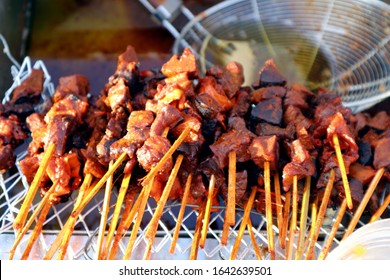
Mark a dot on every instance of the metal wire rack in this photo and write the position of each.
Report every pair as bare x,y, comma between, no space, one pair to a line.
14,186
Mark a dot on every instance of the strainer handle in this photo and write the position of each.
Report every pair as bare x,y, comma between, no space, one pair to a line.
166,11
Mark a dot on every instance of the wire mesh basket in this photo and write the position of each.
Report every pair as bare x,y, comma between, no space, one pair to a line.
342,45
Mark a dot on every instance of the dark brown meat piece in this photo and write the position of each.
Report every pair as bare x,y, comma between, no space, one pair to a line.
211,99
118,96
269,75
151,152
178,64
11,131
269,110
265,148
167,117
7,157
301,165
380,121
231,77
266,129
338,126
138,130
357,191
29,166
58,131
241,104
297,96
31,88
382,153
295,116
241,186
65,171
75,84
267,93
231,141
362,173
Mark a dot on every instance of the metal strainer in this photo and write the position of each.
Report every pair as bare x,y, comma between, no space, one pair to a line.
339,44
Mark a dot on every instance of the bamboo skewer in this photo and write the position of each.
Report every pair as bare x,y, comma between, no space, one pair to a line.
303,219
197,232
30,221
22,215
320,217
230,211
37,230
314,213
129,213
68,229
344,177
104,215
268,209
140,214
181,214
293,222
363,203
278,200
253,240
57,242
332,234
207,211
243,224
153,224
115,216
381,209
286,214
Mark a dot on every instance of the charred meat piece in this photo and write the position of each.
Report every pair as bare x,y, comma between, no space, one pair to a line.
301,165
267,129
167,117
295,116
11,131
338,126
269,75
185,63
231,141
363,173
382,153
241,104
231,77
30,89
211,99
266,93
65,172
138,130
241,187
297,96
381,121
268,110
265,148
118,96
151,152
7,157
75,84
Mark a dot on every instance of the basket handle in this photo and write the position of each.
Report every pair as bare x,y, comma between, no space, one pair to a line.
166,11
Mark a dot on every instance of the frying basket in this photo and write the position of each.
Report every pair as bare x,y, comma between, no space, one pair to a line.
342,45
